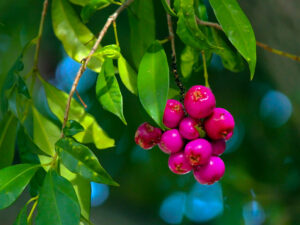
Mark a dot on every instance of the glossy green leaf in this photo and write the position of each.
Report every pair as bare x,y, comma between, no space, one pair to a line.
80,2
142,28
13,181
108,51
108,91
153,82
36,182
76,38
72,127
57,203
82,188
8,131
80,159
128,75
237,28
45,132
22,87
92,133
188,58
93,5
168,8
22,217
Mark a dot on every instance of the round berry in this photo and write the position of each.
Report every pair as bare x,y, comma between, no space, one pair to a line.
171,141
189,128
210,172
147,136
178,163
173,113
219,125
199,102
198,151
218,147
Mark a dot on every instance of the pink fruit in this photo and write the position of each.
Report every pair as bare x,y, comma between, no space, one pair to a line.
147,136
171,141
178,163
218,147
198,151
210,172
173,113
219,125
188,128
199,102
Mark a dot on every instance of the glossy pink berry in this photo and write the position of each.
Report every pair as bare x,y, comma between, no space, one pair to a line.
147,136
171,141
173,113
178,163
198,151
199,102
189,128
210,172
218,147
219,125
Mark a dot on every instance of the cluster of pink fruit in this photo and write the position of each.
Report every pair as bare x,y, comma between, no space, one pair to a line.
194,142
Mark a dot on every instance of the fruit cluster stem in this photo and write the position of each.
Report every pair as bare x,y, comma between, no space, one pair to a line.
174,59
85,61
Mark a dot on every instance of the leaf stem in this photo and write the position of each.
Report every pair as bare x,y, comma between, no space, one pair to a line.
258,43
85,61
205,68
174,60
32,210
116,33
38,44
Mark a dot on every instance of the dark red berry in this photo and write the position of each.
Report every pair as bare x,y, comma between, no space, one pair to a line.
147,136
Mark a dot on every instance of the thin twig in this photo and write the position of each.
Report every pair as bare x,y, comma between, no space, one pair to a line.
85,61
174,59
38,44
205,68
80,99
259,44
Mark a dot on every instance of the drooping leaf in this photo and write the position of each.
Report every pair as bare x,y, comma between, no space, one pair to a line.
128,75
22,87
76,38
153,82
168,8
13,181
45,132
80,159
237,28
93,5
188,59
22,217
108,91
142,28
8,130
72,127
57,203
92,133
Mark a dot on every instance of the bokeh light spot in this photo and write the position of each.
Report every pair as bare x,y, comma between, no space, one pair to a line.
99,194
253,213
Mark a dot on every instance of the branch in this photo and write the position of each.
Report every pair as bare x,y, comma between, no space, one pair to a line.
38,44
259,44
174,59
85,61
80,99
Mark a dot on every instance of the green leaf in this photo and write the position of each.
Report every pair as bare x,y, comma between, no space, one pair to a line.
80,2
108,51
108,90
57,203
36,182
81,160
93,5
45,133
173,93
153,82
188,58
8,130
142,28
13,181
82,188
22,87
92,133
72,127
237,28
76,38
168,8
22,217
128,75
